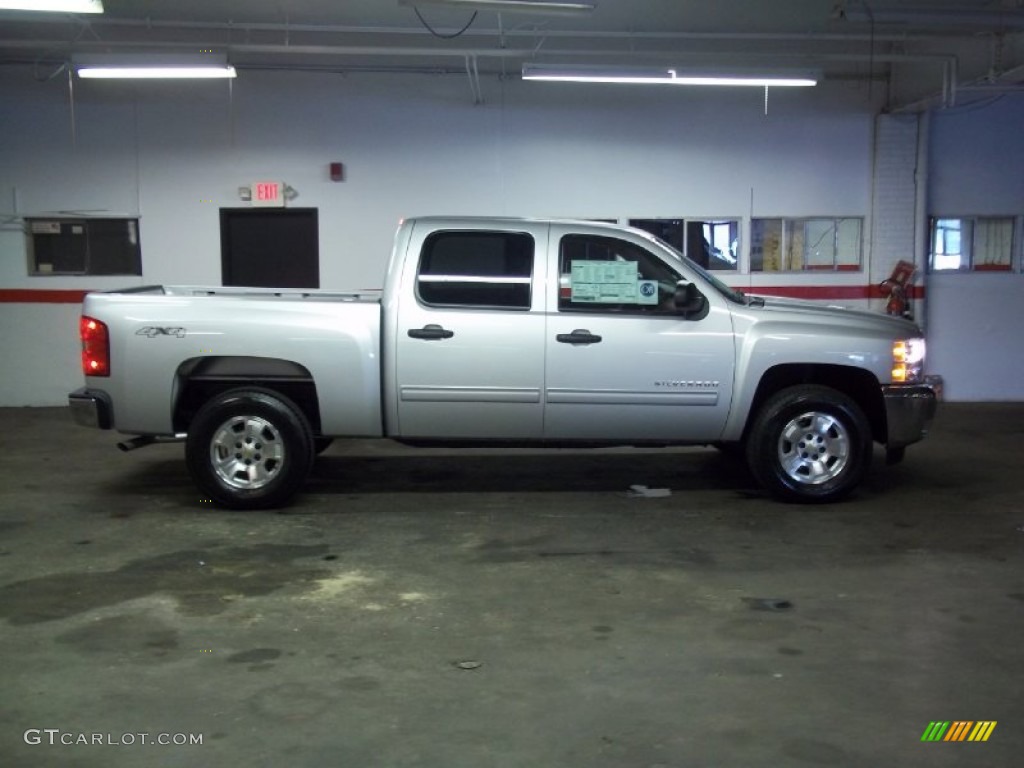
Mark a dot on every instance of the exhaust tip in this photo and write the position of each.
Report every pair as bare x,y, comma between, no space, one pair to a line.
136,442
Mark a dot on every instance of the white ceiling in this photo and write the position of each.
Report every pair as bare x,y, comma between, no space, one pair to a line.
837,36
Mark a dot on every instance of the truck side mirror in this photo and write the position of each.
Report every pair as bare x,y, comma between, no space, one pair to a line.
690,302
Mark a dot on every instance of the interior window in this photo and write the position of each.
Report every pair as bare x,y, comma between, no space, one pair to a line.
794,245
714,244
669,230
476,269
711,243
599,273
84,246
972,243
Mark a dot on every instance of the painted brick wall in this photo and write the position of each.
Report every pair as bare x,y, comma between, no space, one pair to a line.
894,197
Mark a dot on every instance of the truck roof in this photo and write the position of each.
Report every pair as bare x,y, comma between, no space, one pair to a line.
505,221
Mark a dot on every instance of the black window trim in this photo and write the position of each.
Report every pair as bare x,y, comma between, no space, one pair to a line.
483,279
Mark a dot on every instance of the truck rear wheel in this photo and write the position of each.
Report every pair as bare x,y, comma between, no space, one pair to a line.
809,444
249,449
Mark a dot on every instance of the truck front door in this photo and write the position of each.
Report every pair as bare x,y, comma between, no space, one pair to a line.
622,362
469,346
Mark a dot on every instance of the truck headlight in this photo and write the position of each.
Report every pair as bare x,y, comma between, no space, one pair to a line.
908,361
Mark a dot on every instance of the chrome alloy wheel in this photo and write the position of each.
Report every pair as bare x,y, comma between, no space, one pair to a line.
247,452
814,448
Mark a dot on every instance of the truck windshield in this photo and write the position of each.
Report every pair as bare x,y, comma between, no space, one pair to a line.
729,293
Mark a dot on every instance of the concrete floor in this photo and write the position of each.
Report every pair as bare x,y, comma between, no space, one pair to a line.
431,608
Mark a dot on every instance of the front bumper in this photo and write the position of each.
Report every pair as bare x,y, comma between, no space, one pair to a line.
909,410
91,408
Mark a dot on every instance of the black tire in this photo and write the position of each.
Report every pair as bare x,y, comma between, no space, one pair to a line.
809,444
271,455
321,444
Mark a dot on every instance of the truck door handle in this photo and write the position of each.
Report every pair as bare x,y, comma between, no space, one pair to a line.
432,331
579,336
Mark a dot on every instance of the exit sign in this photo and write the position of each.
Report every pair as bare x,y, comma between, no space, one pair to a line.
268,194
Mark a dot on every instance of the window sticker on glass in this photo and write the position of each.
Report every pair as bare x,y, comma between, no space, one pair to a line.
647,292
605,282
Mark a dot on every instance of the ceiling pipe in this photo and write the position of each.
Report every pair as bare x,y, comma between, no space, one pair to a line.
474,81
493,53
939,17
947,61
475,31
1012,80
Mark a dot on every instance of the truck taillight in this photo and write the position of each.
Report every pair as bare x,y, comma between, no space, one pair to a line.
95,347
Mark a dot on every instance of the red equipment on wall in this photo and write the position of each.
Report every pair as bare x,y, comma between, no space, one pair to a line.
897,288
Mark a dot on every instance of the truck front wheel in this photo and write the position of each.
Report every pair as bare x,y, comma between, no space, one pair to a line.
809,444
249,449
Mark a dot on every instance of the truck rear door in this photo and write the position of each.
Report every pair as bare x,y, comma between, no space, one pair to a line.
468,346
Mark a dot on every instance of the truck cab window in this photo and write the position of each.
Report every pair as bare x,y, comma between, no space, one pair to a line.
605,274
476,269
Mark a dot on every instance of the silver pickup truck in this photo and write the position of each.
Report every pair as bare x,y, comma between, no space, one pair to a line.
503,332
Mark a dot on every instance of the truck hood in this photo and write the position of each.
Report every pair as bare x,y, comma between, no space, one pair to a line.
898,326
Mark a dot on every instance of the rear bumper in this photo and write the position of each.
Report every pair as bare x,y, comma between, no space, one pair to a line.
909,410
91,408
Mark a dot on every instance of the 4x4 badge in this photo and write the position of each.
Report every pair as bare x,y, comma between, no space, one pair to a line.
153,330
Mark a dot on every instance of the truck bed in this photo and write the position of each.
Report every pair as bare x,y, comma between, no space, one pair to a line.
362,295
162,334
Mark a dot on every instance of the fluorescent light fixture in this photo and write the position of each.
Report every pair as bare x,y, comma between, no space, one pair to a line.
201,66
53,6
544,7
667,76
156,73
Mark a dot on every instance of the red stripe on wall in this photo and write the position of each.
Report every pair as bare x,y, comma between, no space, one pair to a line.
32,296
830,292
